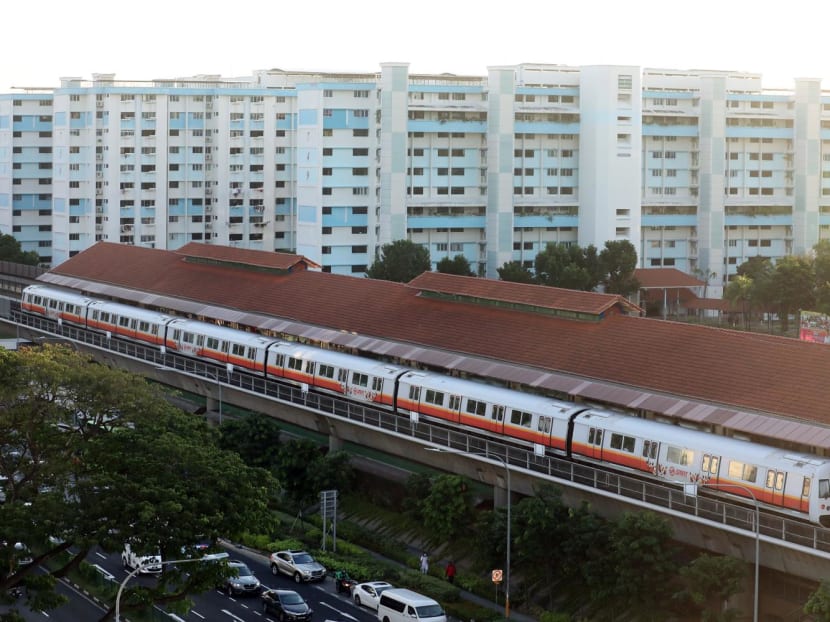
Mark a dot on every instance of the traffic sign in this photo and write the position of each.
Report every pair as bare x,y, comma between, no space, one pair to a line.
497,576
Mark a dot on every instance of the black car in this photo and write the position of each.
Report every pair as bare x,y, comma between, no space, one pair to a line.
287,605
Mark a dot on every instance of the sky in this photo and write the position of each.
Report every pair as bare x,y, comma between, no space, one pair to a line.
42,42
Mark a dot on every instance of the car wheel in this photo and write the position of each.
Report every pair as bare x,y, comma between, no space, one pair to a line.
357,600
274,570
297,578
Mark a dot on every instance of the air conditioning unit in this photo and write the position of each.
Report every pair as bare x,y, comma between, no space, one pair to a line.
99,104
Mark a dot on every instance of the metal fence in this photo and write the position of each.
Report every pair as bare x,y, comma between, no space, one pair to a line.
550,467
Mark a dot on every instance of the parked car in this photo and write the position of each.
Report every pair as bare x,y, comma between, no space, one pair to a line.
243,582
368,594
297,564
287,605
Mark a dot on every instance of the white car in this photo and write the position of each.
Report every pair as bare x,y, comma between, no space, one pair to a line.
368,594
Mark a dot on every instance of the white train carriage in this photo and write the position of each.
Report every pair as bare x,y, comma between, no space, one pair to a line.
219,344
56,304
534,419
358,378
119,320
794,484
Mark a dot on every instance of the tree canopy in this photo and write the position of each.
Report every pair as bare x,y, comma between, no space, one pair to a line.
10,250
455,265
401,261
96,456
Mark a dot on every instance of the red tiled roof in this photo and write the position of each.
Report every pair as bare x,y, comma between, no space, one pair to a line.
665,277
744,370
243,256
519,293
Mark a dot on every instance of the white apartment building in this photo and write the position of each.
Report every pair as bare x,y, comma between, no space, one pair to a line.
699,170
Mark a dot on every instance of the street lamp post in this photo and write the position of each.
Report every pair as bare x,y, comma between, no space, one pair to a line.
496,458
140,567
718,486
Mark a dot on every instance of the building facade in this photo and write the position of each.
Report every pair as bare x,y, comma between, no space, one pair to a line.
699,170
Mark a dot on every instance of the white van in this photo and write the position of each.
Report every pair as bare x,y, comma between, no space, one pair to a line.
401,605
145,564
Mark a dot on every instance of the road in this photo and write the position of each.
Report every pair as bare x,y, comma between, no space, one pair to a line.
215,605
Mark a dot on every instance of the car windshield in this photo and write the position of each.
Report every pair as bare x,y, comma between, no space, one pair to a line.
305,558
291,598
429,611
243,570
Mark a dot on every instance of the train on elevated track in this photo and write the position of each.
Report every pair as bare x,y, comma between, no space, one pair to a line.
792,483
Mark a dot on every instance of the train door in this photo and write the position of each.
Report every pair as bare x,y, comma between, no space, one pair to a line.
497,416
454,406
709,468
594,447
804,501
774,487
651,454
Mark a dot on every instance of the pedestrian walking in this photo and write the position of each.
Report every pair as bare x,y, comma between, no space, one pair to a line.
450,572
424,563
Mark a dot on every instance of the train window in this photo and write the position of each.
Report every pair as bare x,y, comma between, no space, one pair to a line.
680,455
377,384
212,343
626,443
824,489
780,478
295,363
144,327
455,402
518,417
361,380
805,487
326,371
647,449
497,414
544,424
713,467
177,334
105,317
237,349
53,304
251,353
414,393
342,375
434,397
154,329
70,308
739,470
309,368
187,337
595,436
200,340
705,465
279,360
123,321
95,315
474,407
770,478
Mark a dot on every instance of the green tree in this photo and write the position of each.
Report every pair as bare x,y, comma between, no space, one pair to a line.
446,508
739,293
818,604
618,260
457,265
256,438
401,261
305,469
792,287
821,268
515,272
95,456
567,266
639,549
710,581
10,250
